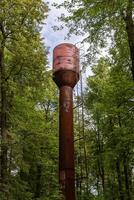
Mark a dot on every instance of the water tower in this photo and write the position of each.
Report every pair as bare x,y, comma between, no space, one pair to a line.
66,75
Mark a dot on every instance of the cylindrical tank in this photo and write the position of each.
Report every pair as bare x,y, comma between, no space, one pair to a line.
66,65
66,57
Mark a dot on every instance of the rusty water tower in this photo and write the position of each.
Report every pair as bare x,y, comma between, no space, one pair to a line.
66,75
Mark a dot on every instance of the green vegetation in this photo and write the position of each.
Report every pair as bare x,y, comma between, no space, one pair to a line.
29,142
104,123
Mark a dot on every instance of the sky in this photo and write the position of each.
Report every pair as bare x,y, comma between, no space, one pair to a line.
53,38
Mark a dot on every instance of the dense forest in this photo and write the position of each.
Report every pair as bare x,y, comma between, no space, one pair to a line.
103,110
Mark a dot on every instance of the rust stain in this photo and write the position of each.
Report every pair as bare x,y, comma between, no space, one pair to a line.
66,57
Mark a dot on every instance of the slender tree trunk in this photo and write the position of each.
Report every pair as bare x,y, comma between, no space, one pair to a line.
83,133
77,184
127,182
128,18
100,160
101,174
81,169
121,196
4,173
113,193
38,182
97,184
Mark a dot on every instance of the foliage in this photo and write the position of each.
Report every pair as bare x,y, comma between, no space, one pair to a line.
104,129
103,24
109,135
30,129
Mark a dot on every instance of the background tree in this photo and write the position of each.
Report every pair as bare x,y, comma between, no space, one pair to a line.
102,21
109,133
28,109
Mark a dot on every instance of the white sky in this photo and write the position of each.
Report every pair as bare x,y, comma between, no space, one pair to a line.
51,37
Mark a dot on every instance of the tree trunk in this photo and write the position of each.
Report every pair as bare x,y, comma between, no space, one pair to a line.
100,160
130,32
38,181
119,180
83,133
101,174
127,182
4,173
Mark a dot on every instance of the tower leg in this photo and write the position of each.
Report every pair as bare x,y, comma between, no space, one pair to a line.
66,144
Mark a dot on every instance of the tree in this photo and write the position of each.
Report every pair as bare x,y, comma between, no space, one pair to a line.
110,136
34,144
101,20
21,55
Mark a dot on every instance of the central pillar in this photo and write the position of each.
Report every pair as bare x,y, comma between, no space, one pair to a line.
66,150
